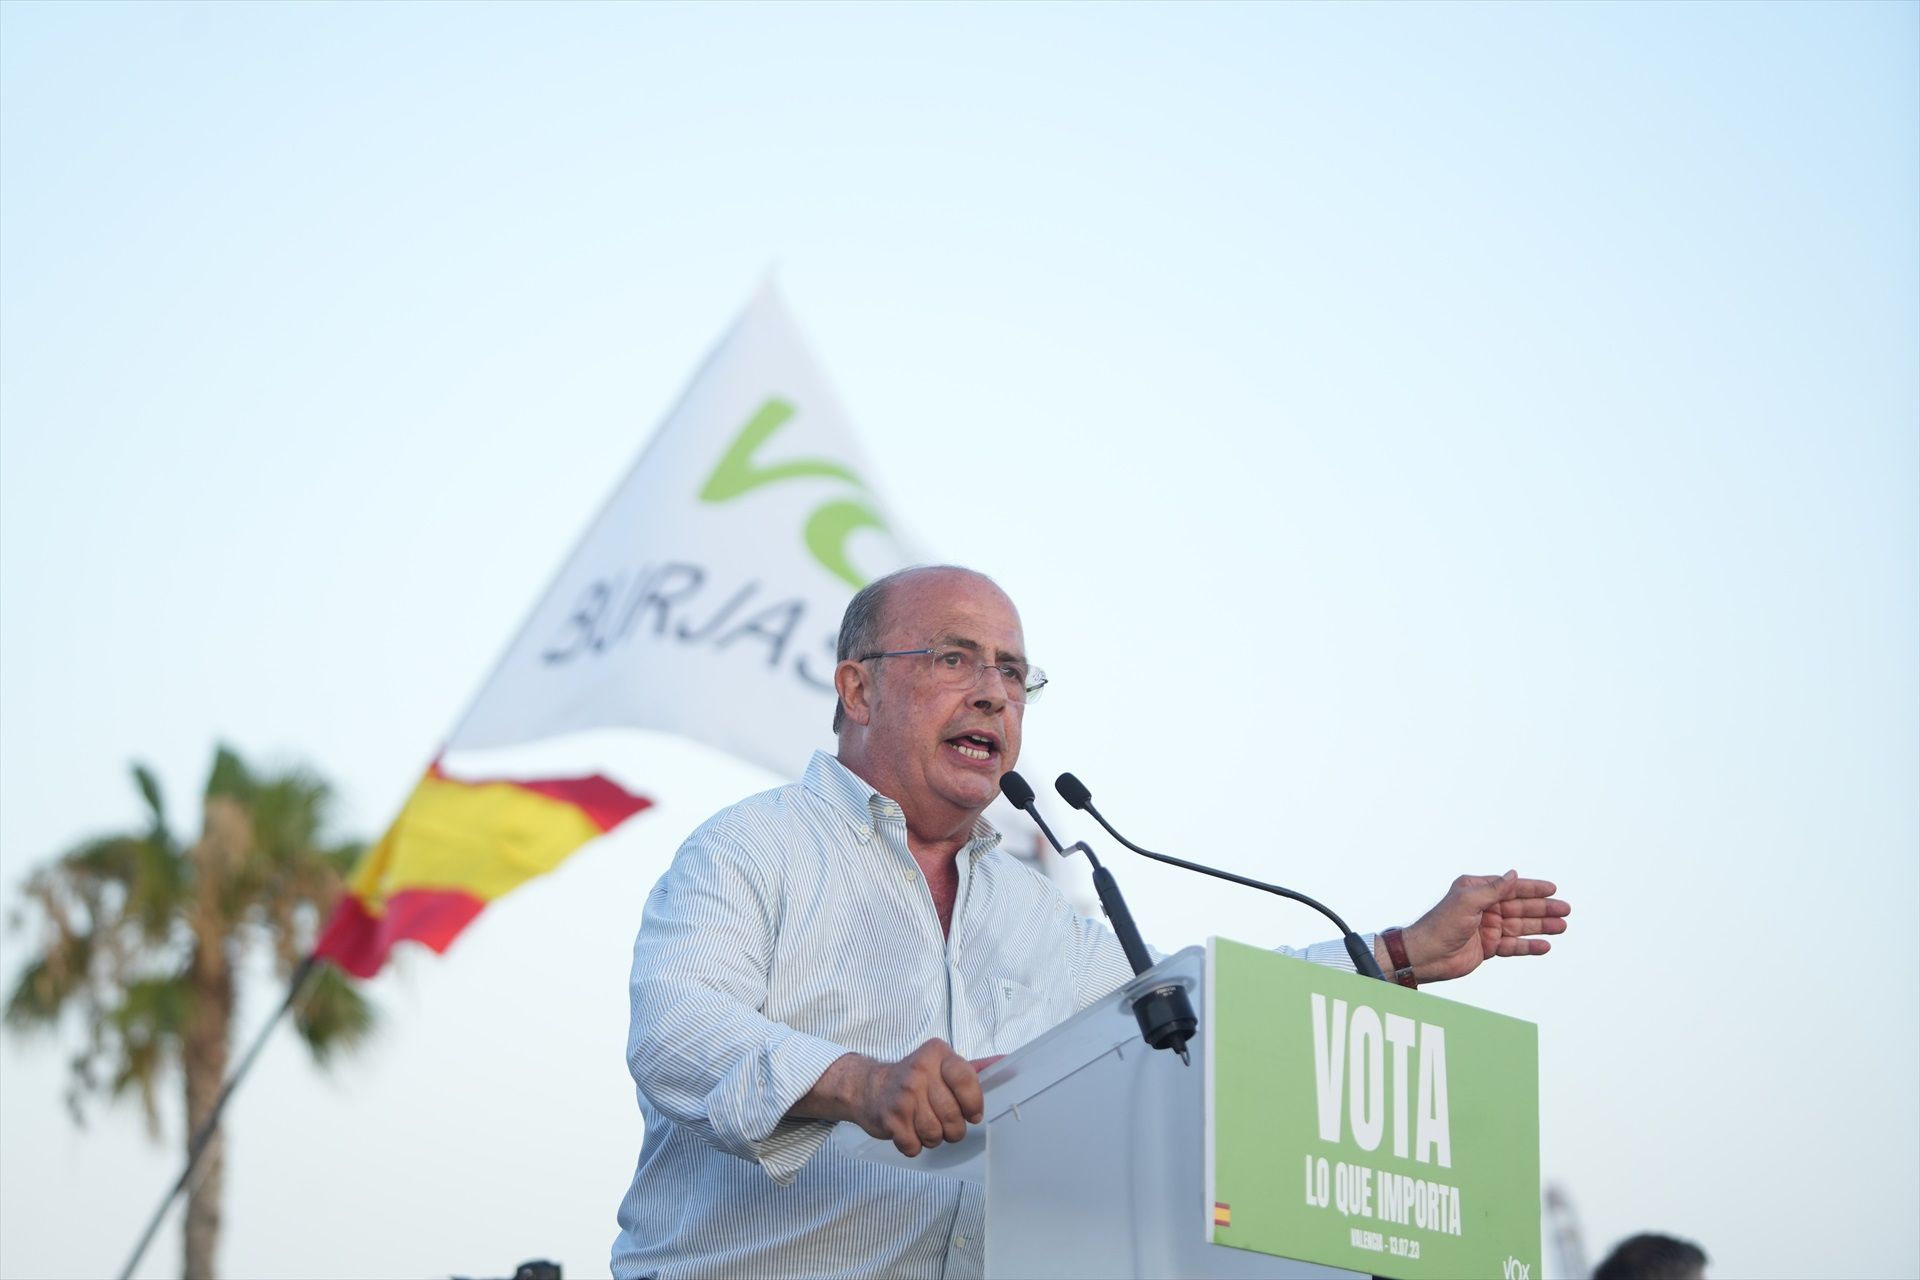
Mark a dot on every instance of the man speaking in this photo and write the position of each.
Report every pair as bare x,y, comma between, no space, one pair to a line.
856,945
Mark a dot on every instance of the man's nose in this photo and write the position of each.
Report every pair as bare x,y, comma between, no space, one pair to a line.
990,694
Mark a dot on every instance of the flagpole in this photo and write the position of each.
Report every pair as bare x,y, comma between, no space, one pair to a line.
203,1137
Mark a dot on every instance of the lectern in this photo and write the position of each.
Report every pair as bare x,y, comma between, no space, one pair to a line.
1327,1126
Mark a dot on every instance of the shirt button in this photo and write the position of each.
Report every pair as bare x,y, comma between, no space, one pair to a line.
910,874
959,1242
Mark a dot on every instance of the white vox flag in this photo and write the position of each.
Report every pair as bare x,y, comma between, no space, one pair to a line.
706,597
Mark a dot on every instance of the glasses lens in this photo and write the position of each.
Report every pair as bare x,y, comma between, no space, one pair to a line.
955,667
960,669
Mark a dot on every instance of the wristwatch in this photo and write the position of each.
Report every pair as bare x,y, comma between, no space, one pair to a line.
1397,952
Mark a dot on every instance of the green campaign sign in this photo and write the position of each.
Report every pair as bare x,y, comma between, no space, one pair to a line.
1358,1124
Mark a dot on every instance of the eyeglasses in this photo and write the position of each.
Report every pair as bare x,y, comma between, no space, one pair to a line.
957,668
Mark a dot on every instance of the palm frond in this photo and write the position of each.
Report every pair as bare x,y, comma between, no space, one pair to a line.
149,1023
141,1066
331,1015
158,893
153,1010
41,995
104,860
290,810
230,776
150,791
344,857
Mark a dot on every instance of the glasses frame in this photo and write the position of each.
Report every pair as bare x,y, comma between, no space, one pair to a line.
1029,689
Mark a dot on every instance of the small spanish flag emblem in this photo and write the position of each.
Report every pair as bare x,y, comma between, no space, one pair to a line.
1222,1214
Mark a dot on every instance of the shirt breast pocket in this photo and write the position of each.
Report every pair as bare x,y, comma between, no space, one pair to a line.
1020,1014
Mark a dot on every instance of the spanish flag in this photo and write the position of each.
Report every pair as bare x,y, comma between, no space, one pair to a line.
702,601
456,846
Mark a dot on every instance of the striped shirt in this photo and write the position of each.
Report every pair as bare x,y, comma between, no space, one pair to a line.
792,928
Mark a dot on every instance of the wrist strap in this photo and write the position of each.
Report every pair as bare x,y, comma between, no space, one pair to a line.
1397,952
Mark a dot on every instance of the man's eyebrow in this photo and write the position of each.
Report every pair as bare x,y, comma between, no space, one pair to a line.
951,641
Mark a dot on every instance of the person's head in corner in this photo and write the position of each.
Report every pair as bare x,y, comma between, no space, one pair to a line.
1653,1257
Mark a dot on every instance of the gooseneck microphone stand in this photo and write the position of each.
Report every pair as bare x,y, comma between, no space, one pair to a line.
1075,793
1165,1015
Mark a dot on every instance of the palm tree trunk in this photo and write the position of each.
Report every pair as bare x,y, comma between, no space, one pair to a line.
222,848
204,1065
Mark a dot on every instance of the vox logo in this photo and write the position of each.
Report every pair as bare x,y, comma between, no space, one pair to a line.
1514,1269
741,470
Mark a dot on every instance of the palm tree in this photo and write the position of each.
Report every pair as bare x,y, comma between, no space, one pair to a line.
142,934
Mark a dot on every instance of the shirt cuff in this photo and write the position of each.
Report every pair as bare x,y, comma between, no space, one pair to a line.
751,1119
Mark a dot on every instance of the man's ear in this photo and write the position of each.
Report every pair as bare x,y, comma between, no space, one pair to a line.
853,682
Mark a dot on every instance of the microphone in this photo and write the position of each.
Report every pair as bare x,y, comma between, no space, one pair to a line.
1075,793
1165,1015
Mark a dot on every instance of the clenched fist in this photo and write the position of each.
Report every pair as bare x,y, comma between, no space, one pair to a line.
928,1097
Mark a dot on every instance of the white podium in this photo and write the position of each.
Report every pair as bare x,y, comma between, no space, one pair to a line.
1094,1152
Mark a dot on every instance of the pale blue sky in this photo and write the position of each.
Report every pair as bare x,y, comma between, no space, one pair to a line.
1421,439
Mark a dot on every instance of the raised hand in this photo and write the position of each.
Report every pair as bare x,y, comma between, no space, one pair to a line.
1482,917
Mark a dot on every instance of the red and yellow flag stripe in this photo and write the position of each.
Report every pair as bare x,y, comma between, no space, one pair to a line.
457,845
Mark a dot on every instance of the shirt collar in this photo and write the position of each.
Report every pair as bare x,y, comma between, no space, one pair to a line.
862,808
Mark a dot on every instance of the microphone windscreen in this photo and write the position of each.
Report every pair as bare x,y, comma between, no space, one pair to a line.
1073,791
1015,789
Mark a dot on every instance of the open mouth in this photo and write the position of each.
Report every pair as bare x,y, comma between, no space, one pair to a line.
975,746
